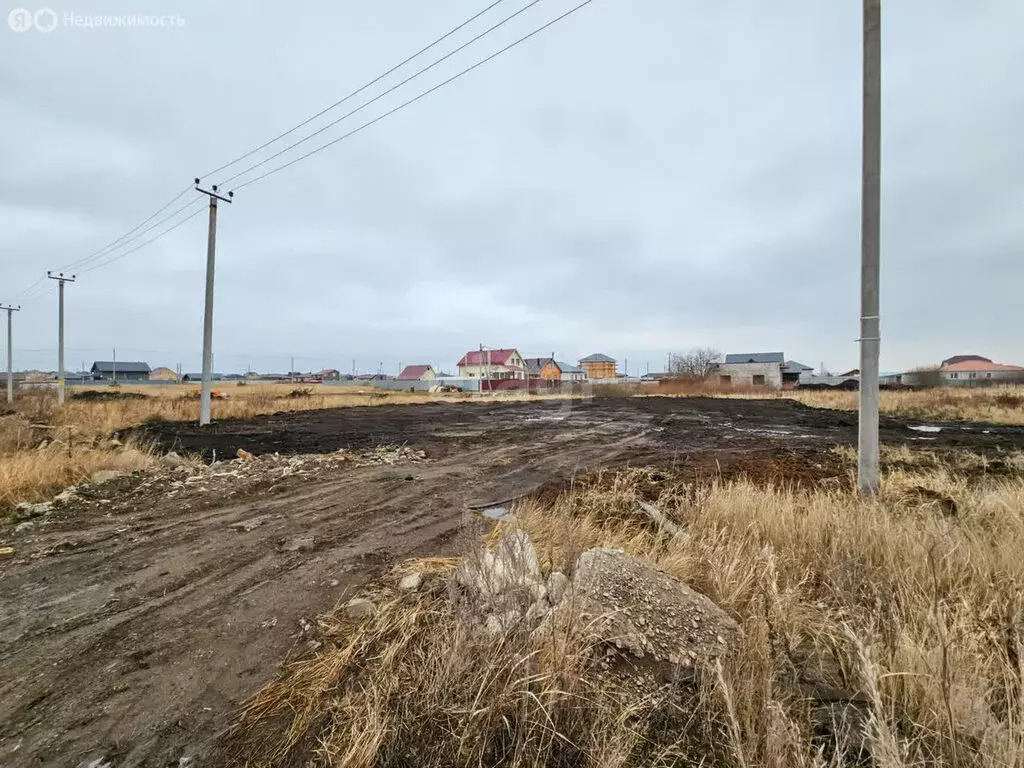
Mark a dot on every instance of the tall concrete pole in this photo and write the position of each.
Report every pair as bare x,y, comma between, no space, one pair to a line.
211,251
61,279
867,454
10,351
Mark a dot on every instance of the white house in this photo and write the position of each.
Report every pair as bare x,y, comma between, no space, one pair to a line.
493,364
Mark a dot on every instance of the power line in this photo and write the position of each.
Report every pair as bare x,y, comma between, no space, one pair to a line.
356,92
143,245
85,262
113,245
27,290
416,98
380,96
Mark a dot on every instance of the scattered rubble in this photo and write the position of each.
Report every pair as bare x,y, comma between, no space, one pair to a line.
637,616
663,523
359,608
185,478
27,510
249,525
411,582
105,476
628,603
558,584
299,544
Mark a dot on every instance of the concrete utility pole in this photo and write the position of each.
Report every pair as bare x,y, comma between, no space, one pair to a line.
10,354
61,279
113,366
867,455
211,250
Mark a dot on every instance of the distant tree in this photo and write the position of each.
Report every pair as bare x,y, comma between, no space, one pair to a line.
697,363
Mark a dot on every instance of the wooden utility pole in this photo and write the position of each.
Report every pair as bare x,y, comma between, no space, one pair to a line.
867,443
211,250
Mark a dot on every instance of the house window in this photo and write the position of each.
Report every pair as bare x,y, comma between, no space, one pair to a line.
758,378
988,375
725,379
973,375
952,375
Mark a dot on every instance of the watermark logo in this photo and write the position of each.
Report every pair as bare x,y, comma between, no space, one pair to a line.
46,20
20,20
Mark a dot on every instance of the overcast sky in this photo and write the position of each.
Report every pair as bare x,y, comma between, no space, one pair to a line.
645,176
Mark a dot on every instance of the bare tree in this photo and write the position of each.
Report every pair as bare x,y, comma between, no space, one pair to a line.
697,363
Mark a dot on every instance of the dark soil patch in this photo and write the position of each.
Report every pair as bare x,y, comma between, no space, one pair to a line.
670,427
105,395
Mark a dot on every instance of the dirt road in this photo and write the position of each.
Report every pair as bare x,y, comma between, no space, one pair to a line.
135,618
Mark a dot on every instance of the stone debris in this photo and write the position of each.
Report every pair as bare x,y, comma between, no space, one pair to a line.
172,459
105,476
27,510
174,476
243,454
66,496
626,602
299,544
411,582
248,525
663,523
558,584
359,608
512,566
635,617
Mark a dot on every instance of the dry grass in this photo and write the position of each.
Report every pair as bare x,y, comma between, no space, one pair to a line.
998,405
28,474
918,609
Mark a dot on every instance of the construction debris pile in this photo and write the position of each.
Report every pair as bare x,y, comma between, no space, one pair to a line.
636,619
192,481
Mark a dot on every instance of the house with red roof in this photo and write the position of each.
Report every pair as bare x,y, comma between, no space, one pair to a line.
974,370
417,373
492,364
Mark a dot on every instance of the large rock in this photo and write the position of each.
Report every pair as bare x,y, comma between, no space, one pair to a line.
653,619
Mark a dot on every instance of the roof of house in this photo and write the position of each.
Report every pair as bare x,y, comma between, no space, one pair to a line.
105,366
962,358
567,367
488,357
414,372
597,357
978,365
536,364
793,365
755,357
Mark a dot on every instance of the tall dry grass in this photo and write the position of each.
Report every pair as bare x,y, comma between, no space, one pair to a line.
997,405
916,609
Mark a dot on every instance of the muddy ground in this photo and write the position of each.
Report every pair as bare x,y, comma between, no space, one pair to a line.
138,615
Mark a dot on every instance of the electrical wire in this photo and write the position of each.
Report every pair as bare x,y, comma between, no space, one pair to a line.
27,290
380,96
141,245
415,98
113,245
86,262
356,92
